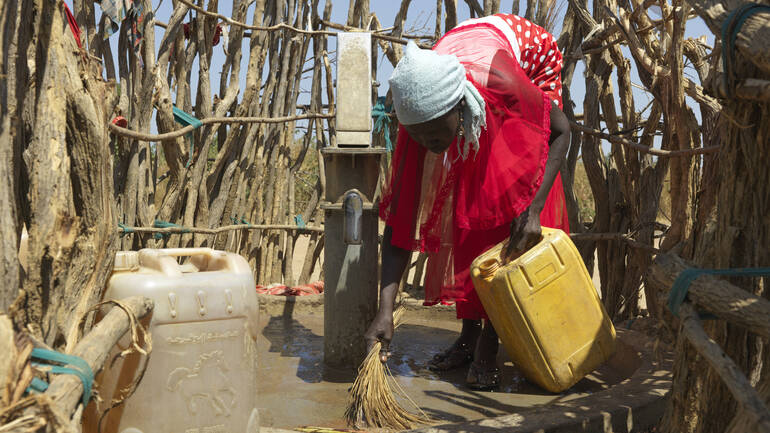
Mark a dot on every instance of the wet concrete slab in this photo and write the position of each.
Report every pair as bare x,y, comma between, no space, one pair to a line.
295,389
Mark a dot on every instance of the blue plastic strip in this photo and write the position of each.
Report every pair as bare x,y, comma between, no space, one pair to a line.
37,385
682,283
299,221
72,365
185,119
381,115
730,29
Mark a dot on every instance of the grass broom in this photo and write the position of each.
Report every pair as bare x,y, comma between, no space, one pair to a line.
371,402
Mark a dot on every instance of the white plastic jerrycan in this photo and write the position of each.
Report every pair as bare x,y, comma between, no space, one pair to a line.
201,375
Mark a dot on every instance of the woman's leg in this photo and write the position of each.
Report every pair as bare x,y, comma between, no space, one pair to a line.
460,353
483,372
470,332
485,343
486,346
469,245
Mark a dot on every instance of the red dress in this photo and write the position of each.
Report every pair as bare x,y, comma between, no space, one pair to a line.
456,209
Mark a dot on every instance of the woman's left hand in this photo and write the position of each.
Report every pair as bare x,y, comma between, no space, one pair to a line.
525,232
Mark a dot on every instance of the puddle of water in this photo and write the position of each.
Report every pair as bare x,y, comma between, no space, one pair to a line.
296,389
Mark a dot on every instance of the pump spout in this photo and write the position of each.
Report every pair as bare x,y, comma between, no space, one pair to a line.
353,206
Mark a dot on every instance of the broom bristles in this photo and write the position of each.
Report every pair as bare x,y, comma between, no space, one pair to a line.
398,317
371,402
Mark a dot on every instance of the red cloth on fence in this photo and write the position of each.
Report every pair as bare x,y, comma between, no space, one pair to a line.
456,209
73,23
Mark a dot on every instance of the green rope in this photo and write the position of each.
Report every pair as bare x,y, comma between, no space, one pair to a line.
682,283
165,224
381,114
730,29
186,119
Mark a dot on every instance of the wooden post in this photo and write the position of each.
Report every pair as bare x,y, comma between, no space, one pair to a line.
733,377
66,389
716,296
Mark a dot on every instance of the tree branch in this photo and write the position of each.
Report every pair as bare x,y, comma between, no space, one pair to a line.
732,376
66,389
207,231
644,149
720,297
279,26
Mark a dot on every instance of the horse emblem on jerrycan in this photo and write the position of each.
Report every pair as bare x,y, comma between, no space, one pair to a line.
206,383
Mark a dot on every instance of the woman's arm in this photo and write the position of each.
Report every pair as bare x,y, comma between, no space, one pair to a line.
394,261
558,146
525,229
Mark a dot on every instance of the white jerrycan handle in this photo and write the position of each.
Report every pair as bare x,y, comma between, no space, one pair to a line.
207,259
186,252
204,259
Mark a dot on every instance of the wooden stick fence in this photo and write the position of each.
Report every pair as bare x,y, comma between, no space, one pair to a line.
419,263
286,26
577,237
727,302
731,374
641,148
209,231
213,120
65,390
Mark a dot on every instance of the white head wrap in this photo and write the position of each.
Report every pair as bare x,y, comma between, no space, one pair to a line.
426,85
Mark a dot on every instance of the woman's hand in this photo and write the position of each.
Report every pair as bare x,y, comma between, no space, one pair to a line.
525,232
380,330
525,229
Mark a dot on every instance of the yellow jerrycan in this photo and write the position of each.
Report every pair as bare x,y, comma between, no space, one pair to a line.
201,374
546,311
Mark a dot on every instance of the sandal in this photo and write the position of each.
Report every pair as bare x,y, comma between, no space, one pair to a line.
459,355
483,378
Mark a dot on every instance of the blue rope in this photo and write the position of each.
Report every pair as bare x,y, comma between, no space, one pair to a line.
682,283
165,224
126,229
381,114
70,365
299,221
730,29
236,221
186,119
